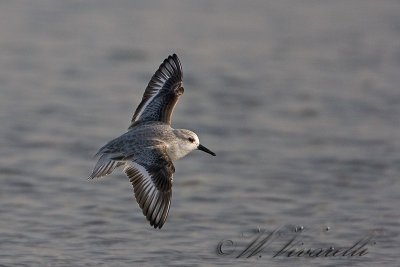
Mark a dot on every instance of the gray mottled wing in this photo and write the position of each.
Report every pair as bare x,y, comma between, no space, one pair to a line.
152,185
161,94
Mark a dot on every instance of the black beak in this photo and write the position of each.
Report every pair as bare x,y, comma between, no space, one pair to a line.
203,148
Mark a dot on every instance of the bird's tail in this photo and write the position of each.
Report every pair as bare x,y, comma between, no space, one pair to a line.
105,165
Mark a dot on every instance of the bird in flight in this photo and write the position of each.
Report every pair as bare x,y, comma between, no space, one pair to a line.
149,147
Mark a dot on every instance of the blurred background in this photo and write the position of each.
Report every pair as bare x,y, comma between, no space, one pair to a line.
300,100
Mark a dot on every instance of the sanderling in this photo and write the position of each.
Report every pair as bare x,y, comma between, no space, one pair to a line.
150,145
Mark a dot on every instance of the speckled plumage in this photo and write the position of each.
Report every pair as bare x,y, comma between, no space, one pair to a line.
148,148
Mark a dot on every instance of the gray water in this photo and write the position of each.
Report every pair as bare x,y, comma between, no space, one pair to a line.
299,99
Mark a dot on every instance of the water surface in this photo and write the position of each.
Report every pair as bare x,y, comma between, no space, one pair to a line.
299,99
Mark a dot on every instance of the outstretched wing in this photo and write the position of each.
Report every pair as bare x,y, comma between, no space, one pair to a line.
152,185
161,94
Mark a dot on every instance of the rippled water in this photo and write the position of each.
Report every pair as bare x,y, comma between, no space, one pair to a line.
299,99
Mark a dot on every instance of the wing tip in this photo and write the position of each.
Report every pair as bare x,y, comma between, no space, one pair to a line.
175,58
157,211
175,63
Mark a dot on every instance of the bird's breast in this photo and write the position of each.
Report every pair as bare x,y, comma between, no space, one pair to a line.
176,151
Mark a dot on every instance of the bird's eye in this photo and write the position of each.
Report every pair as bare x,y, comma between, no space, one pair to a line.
191,139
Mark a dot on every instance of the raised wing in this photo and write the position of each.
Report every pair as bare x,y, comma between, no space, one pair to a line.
152,185
161,94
